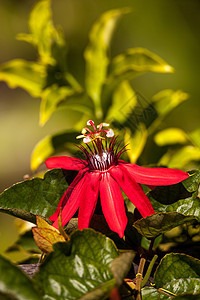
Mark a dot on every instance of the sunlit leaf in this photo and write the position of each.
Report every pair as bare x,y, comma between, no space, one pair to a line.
34,197
176,266
171,136
25,74
159,223
41,30
136,61
96,53
51,98
180,158
135,141
124,100
164,102
72,271
46,235
52,144
15,284
195,137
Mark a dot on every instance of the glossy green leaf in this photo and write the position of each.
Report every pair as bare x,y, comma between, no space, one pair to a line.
135,141
25,74
176,266
34,197
150,293
136,61
183,285
171,136
175,287
159,223
164,102
182,197
72,271
180,158
52,144
15,284
124,100
96,55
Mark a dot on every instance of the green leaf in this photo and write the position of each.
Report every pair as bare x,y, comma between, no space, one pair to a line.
34,197
26,242
182,197
121,265
159,223
176,287
25,74
136,61
195,137
14,283
171,136
135,141
164,102
186,285
50,100
187,297
176,266
180,158
150,293
52,144
59,98
124,100
72,271
96,55
41,30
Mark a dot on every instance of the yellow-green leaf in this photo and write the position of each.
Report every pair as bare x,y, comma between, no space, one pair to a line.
41,30
195,137
51,98
180,158
136,61
124,100
96,53
171,136
135,141
164,102
52,144
25,74
46,235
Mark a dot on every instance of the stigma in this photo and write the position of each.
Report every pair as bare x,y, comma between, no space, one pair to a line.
101,149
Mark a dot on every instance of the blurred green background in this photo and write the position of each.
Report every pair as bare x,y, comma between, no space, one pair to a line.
168,28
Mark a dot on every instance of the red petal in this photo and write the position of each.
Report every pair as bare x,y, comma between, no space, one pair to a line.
65,162
72,203
155,176
89,199
133,191
66,195
112,204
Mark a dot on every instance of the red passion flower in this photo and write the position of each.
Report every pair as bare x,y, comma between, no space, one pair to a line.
104,173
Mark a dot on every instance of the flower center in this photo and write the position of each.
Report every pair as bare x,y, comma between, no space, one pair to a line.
100,154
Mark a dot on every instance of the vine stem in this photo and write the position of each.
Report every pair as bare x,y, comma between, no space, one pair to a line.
139,275
139,278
